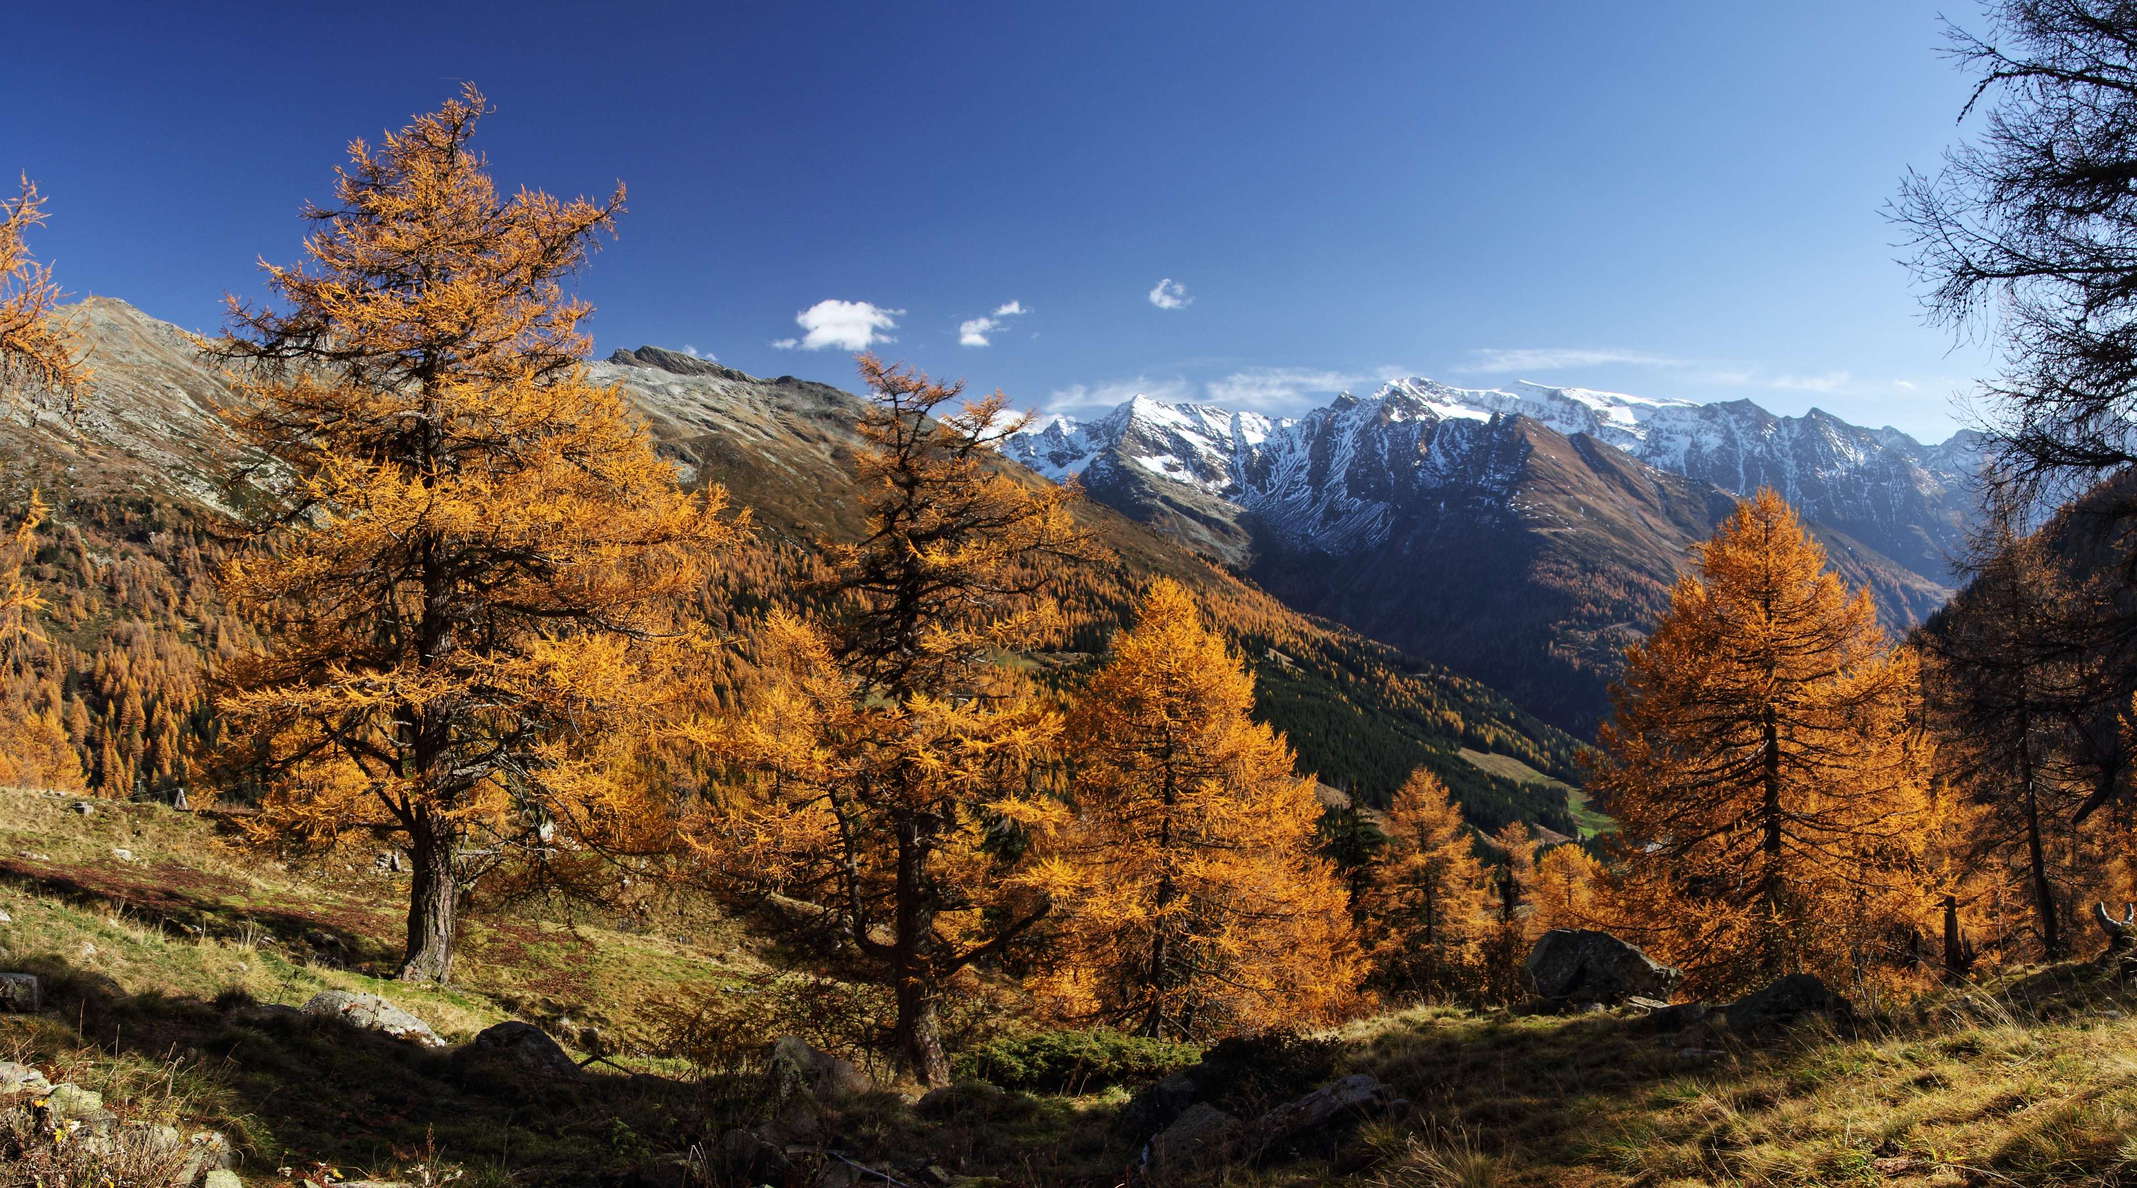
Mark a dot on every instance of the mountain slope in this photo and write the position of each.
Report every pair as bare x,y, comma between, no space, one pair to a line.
1523,537
146,485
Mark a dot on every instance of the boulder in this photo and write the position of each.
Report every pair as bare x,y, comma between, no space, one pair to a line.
1199,1135
1319,1119
72,1103
20,992
515,1053
796,1067
1158,1106
1784,1002
372,1013
746,1157
221,1178
1581,965
16,1079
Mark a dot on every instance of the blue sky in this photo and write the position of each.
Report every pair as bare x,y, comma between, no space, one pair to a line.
1243,202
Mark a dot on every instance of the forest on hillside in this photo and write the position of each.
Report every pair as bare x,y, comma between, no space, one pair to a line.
963,757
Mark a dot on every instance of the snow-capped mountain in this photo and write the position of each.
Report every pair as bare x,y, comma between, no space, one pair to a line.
1524,535
1910,501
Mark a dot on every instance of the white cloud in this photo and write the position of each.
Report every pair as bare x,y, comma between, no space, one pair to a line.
974,332
847,325
1283,389
1170,294
1831,381
1905,385
1494,360
695,353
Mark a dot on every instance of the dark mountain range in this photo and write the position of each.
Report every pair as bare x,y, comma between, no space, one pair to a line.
1521,537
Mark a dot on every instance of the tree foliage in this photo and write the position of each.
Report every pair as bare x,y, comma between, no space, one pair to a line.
1766,764
469,587
33,349
1424,907
2032,226
898,760
1197,904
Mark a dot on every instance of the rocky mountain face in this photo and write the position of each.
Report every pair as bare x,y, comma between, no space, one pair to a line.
1522,536
147,482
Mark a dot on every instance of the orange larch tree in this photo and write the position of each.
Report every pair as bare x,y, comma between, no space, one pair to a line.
469,586
33,350
1197,904
1423,906
1766,764
897,760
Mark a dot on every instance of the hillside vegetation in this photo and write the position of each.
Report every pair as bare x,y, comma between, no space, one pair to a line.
158,967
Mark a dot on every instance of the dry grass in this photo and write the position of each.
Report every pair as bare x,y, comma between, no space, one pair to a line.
155,965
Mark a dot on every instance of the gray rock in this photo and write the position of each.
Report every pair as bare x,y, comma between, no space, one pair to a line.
5,918
1320,1118
1582,965
1668,1019
372,1013
221,1178
20,993
210,1152
1784,1002
1158,1106
81,808
798,1067
746,1157
73,1103
1199,1135
518,1053
21,1078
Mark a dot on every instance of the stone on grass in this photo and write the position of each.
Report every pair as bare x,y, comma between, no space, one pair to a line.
1786,1001
372,1013
1199,1135
513,1052
72,1103
1582,965
1319,1119
221,1177
20,993
21,1078
795,1065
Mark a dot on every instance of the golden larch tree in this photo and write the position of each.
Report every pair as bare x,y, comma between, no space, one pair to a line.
34,350
1423,905
1765,763
1197,902
1567,890
468,587
897,758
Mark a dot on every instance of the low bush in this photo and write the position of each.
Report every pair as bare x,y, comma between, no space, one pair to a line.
1075,1061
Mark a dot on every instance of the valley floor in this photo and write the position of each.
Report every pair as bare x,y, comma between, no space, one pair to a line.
163,941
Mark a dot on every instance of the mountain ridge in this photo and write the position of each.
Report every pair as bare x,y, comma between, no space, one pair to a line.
1553,520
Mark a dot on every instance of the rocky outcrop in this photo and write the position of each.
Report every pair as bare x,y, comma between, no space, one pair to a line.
798,1068
1579,965
1320,1119
515,1054
372,1013
20,993
1785,1002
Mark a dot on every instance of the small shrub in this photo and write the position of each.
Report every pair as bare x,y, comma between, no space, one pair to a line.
1075,1061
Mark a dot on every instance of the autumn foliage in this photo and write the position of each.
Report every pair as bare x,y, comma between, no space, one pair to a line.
470,585
895,761
1197,905
1424,906
33,349
1767,766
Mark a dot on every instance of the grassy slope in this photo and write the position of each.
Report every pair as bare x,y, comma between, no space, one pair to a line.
155,963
